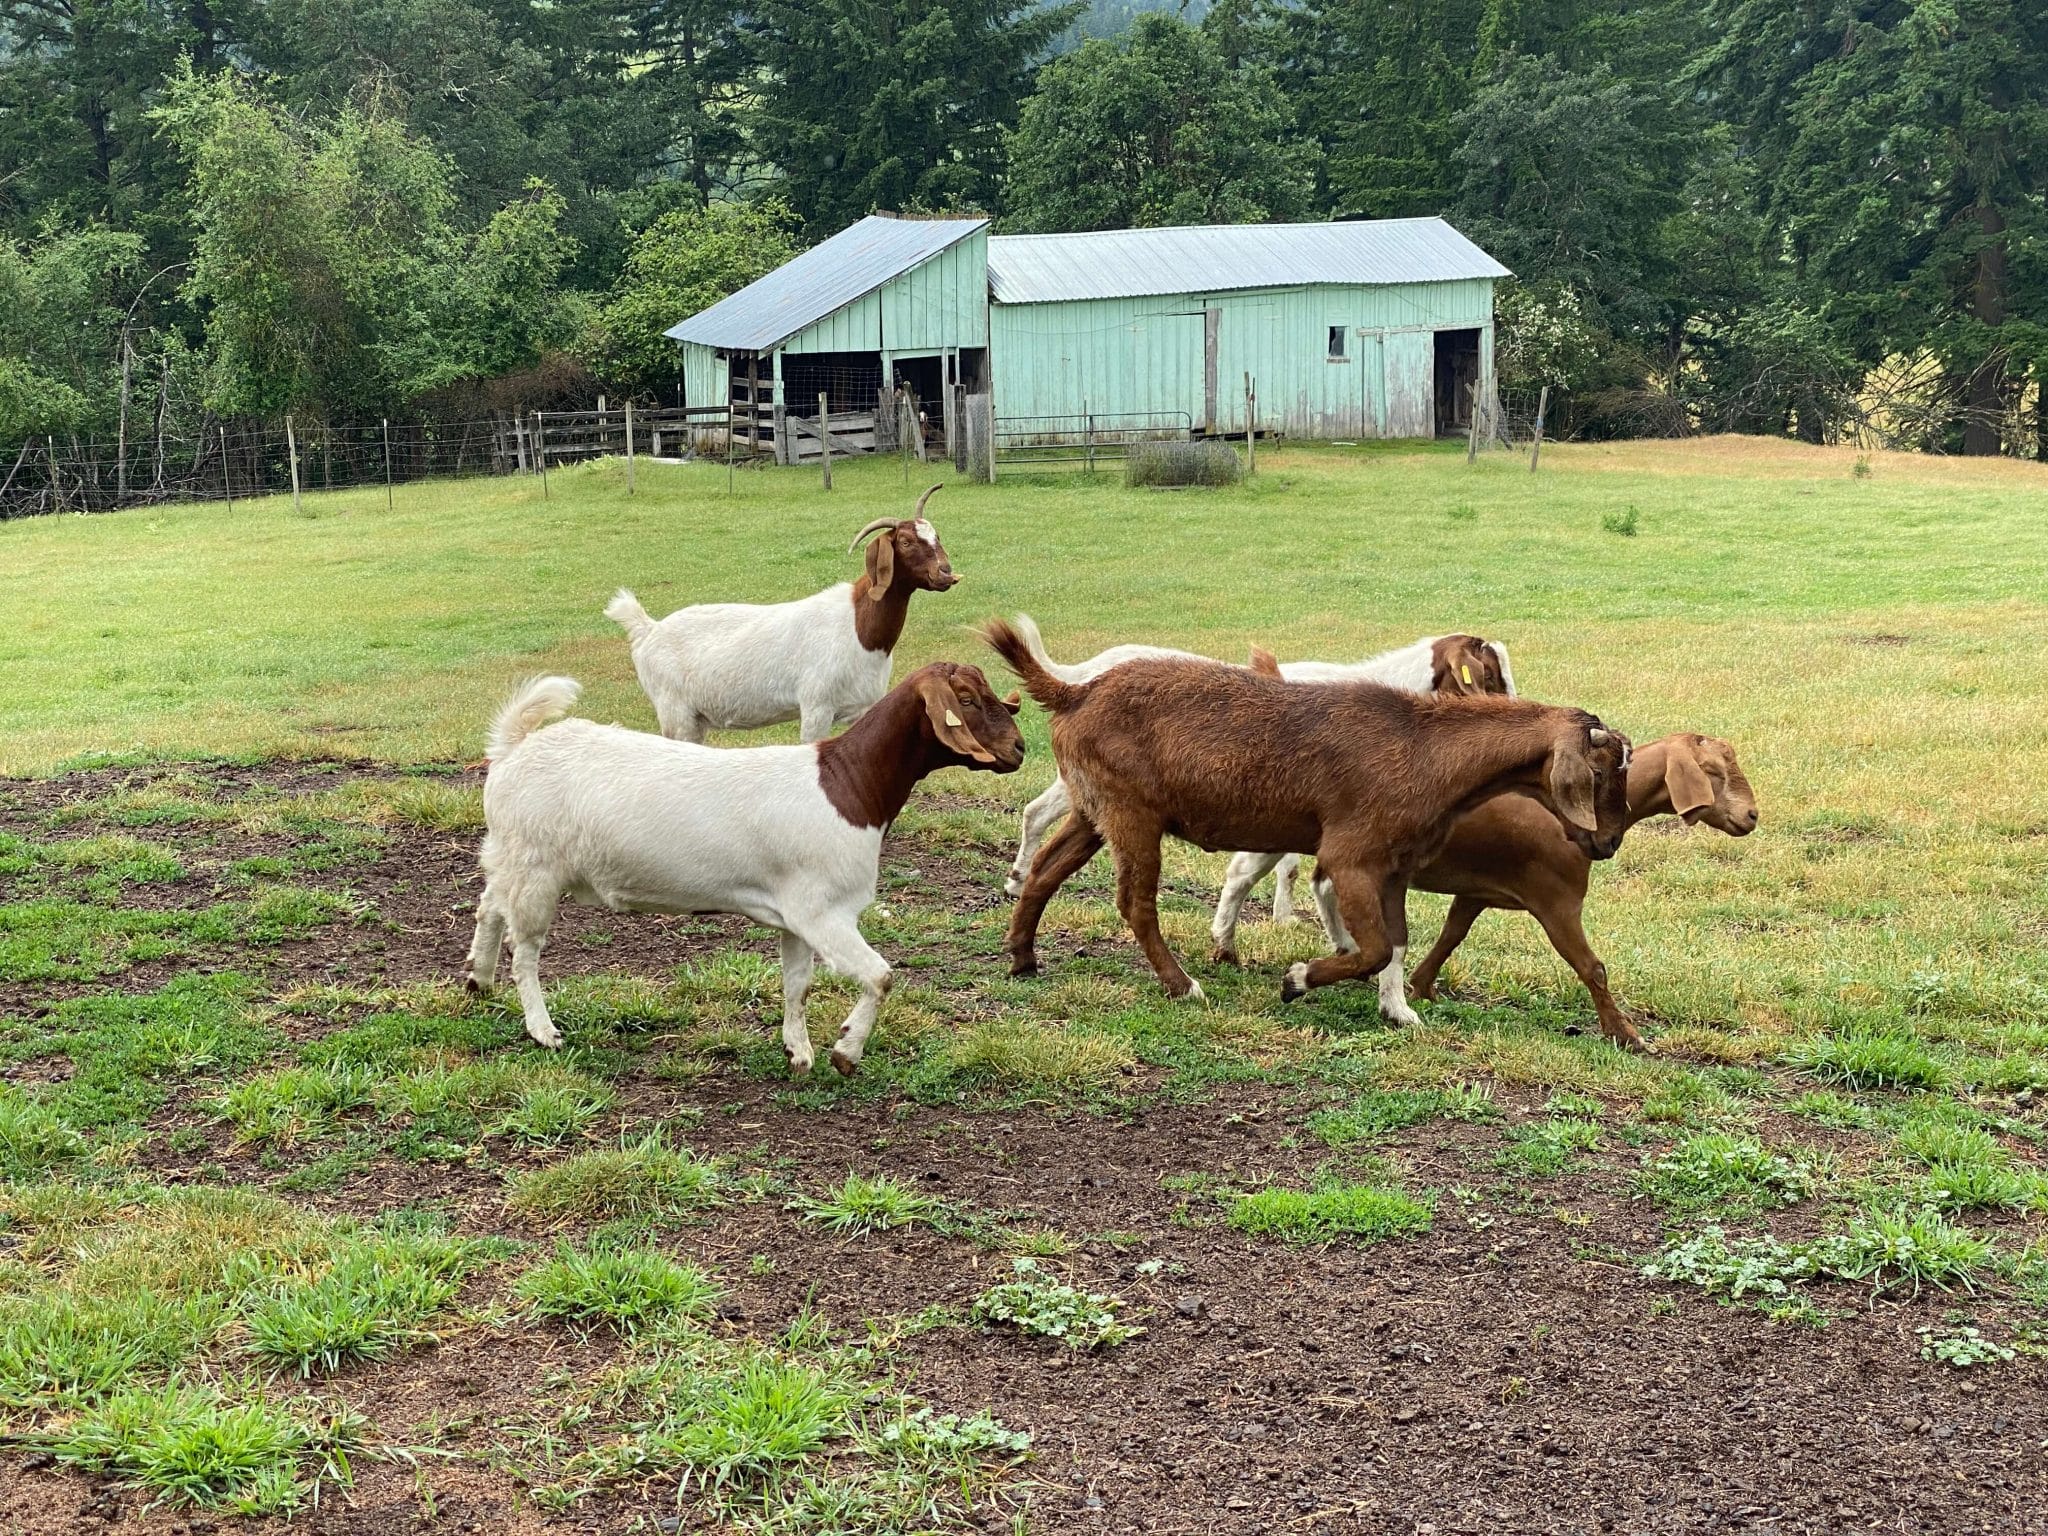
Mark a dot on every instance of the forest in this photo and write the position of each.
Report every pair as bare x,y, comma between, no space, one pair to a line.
1822,218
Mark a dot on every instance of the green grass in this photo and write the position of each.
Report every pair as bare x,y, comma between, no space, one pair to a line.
862,1205
648,1179
1359,1213
1712,1170
372,1302
623,1288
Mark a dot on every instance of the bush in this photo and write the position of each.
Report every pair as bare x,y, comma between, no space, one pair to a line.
1179,464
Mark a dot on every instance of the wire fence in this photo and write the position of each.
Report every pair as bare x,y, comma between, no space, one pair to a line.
226,461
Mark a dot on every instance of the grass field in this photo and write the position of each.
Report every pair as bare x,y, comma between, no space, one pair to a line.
286,1213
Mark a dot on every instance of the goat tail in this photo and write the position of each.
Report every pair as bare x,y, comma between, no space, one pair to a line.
1018,642
536,701
625,611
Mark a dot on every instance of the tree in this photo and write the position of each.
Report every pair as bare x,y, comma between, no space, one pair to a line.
899,104
327,270
1903,151
1156,129
59,328
684,262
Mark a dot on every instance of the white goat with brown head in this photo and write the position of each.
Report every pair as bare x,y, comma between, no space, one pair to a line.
821,660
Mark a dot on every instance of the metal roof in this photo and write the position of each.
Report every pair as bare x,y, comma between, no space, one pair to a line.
1213,258
827,277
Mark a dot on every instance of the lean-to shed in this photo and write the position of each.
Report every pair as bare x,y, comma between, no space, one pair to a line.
1367,329
884,301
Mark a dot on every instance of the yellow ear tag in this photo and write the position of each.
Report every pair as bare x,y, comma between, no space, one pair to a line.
951,718
1465,671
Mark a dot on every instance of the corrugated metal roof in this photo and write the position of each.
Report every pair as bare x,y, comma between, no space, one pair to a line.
829,276
1213,258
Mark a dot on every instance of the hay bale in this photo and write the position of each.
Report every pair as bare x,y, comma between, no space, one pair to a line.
1179,464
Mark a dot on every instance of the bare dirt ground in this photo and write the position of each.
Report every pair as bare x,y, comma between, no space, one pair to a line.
1509,1371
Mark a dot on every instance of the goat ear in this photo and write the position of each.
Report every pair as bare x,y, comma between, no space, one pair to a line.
881,564
1571,783
1686,781
942,706
1264,662
1013,701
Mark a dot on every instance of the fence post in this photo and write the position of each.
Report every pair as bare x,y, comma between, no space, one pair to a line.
227,479
1472,437
1251,412
825,436
540,448
388,503
1088,433
291,444
629,445
1536,448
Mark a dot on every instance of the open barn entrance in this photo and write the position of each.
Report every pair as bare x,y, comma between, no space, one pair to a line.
850,381
1457,374
925,378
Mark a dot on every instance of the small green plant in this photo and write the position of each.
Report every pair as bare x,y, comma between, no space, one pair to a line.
1463,512
1046,1308
1832,1109
1904,1246
1374,1114
863,1205
295,1104
1625,523
1363,1213
1545,1149
1861,468
626,1288
764,1422
1713,1170
34,1138
1719,1267
1961,1347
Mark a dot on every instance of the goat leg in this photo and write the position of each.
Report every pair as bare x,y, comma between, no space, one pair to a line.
1361,903
1458,922
1568,938
1137,898
1070,848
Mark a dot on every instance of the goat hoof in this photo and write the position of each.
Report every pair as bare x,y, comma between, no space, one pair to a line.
1024,965
1013,887
1403,1015
472,986
845,1066
1294,984
550,1039
1223,954
798,1066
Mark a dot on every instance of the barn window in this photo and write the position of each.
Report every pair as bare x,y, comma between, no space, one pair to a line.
1336,343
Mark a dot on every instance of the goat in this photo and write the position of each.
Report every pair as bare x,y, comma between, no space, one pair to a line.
1433,664
788,836
1507,853
820,660
1369,776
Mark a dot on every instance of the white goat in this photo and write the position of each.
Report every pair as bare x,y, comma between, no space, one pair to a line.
788,836
1457,663
821,660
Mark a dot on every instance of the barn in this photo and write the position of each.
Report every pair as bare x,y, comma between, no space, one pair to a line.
1368,329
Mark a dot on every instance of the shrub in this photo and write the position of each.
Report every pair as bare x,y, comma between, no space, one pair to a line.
1182,464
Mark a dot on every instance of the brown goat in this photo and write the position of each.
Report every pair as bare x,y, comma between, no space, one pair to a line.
1368,776
1507,853
911,559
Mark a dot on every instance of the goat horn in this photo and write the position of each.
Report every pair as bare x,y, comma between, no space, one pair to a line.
927,496
1597,737
878,524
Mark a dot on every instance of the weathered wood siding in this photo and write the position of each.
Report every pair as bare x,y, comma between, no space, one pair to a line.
1149,355
937,304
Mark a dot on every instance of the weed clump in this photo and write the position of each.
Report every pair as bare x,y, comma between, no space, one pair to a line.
1364,1213
1046,1308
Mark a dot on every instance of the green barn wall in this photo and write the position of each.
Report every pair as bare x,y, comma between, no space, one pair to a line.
704,375
937,304
1146,355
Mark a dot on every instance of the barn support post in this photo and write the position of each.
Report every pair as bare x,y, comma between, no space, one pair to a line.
629,445
1536,447
956,434
825,436
291,448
